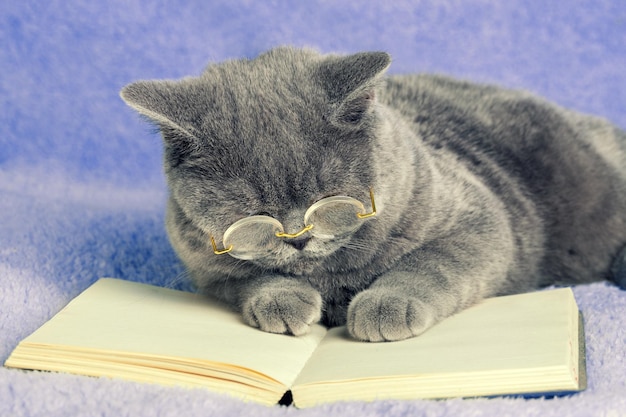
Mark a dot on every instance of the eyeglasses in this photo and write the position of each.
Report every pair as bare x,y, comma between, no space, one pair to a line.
332,217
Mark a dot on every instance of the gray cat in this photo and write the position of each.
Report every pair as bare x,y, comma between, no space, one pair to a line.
307,187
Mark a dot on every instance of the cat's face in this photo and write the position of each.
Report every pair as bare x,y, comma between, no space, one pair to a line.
268,137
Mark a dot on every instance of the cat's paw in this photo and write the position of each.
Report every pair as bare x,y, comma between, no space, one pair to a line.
380,314
286,310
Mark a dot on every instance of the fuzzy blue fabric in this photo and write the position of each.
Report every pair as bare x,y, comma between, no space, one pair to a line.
82,193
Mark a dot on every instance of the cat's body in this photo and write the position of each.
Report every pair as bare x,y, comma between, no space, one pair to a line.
479,191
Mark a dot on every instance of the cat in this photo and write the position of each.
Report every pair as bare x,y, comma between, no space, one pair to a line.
461,191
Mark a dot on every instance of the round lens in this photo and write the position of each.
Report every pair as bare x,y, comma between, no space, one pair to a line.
334,216
252,237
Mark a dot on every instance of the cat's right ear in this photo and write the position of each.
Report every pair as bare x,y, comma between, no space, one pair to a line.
351,82
160,102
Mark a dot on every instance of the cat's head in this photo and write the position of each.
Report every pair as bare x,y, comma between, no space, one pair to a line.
270,136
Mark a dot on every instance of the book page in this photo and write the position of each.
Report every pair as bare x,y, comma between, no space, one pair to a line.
500,335
121,316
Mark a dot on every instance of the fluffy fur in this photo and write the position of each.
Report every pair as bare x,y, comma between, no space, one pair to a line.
480,191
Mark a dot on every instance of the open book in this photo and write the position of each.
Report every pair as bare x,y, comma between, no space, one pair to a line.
521,344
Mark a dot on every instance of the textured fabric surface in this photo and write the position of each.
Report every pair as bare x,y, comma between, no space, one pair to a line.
82,194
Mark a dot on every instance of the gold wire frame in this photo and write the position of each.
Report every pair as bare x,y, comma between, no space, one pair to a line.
218,251
373,212
301,232
294,235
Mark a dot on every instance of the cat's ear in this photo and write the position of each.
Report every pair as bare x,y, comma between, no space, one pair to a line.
351,83
160,101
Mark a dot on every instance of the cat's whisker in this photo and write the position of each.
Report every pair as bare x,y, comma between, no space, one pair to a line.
357,246
180,278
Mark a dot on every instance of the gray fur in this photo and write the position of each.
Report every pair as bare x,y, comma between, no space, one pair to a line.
480,191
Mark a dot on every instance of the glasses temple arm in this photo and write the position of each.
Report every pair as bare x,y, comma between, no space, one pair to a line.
373,212
219,251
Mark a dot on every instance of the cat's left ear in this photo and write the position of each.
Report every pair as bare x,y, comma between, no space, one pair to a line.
163,103
351,83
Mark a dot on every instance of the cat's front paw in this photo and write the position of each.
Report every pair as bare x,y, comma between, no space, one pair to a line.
287,310
380,314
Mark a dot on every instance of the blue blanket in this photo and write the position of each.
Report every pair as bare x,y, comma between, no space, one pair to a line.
82,192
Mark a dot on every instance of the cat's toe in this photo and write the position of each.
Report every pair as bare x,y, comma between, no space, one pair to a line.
378,315
285,311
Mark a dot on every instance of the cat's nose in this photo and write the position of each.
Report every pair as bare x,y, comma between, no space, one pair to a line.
299,242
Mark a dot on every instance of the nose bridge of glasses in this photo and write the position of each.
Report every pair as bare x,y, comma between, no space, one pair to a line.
294,235
292,225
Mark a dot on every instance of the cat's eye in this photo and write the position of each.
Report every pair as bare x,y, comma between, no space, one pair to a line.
259,235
